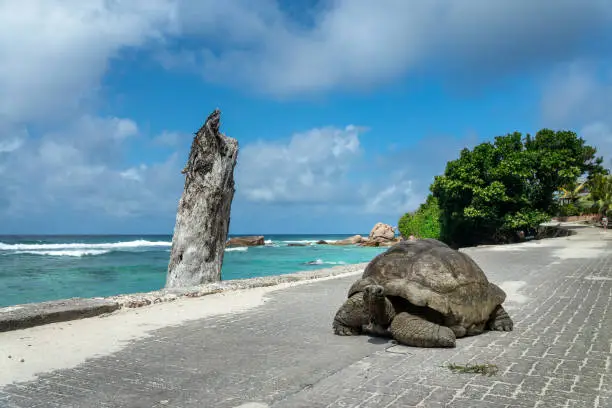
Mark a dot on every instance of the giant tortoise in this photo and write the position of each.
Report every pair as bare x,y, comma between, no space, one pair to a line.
422,293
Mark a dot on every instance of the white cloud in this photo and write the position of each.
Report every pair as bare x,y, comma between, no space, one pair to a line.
394,198
578,96
53,53
10,145
326,169
79,169
576,91
171,139
134,173
351,44
309,167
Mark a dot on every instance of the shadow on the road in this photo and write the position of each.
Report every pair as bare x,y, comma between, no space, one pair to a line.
378,340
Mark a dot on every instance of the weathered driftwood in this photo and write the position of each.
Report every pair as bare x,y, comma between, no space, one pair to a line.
203,215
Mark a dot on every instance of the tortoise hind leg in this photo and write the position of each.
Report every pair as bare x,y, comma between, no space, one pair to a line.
500,320
414,330
351,317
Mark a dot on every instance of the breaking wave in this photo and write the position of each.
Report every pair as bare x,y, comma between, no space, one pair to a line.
322,262
305,242
237,249
76,249
76,253
81,246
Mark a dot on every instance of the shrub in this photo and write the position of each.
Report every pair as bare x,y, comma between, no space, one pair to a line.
422,223
569,210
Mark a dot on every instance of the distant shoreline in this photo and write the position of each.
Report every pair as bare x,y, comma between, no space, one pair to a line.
348,234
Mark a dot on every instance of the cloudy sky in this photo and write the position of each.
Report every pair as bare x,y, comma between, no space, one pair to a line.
344,109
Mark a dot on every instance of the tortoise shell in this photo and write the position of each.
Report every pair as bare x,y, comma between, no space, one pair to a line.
428,273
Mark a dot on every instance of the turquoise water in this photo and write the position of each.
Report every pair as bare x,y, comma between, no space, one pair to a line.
40,268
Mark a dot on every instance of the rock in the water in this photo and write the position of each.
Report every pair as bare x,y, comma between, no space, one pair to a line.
246,241
379,242
203,216
322,242
382,231
381,235
355,239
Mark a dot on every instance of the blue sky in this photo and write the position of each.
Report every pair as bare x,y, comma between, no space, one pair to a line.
344,110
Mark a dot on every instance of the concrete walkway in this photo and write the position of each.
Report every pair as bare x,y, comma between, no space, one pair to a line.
283,353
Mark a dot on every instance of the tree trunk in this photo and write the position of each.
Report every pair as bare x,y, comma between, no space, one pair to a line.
203,215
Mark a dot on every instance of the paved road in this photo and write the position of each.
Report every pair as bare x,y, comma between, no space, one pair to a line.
283,354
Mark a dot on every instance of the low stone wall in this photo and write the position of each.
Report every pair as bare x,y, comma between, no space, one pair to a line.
574,218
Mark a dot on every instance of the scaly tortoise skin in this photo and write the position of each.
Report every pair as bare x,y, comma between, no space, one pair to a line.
422,293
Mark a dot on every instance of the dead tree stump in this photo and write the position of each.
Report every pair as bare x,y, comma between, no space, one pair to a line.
203,215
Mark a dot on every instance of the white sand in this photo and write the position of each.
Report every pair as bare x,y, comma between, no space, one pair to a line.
68,344
573,247
581,250
513,295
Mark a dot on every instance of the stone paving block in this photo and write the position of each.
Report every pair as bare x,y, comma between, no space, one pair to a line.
440,395
534,385
415,395
471,403
578,404
482,380
508,401
473,392
345,402
511,378
504,390
377,401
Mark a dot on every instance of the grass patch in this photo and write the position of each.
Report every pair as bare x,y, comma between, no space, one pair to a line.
484,369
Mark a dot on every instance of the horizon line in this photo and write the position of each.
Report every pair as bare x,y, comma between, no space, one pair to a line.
134,234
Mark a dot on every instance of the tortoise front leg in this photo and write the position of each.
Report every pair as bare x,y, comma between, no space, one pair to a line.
500,320
413,330
351,317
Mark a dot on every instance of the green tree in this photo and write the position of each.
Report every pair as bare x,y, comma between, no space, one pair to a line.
570,193
500,187
600,194
422,223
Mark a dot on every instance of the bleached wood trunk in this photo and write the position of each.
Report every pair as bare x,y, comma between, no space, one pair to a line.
203,215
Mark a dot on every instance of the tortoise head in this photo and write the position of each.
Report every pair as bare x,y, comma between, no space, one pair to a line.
374,302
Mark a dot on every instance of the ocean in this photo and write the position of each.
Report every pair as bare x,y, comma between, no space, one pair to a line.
41,268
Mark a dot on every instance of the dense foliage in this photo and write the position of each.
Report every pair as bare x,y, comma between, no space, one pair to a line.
507,185
422,223
600,195
571,209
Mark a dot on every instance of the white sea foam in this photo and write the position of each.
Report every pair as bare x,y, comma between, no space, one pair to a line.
322,262
77,252
307,241
237,249
82,246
